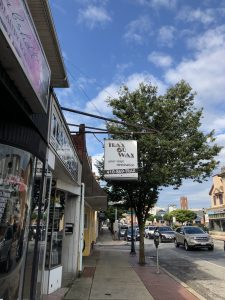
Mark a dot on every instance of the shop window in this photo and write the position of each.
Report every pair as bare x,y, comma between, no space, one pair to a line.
16,170
221,199
37,235
54,125
55,229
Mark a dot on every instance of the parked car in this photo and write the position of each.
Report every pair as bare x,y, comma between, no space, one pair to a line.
193,237
136,234
6,239
122,231
150,232
166,234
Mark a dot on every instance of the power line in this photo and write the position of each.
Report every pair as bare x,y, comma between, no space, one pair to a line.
98,140
86,75
86,95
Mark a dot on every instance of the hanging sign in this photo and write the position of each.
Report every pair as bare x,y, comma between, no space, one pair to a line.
120,160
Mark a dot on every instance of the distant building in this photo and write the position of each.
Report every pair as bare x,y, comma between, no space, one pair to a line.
172,207
183,203
154,210
216,214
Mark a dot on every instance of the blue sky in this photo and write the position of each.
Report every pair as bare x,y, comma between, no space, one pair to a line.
106,44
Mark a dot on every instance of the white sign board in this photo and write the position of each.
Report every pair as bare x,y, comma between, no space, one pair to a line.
120,160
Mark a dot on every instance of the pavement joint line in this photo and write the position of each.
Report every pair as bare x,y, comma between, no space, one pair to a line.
200,297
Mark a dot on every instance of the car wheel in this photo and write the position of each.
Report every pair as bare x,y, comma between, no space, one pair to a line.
176,243
186,246
211,248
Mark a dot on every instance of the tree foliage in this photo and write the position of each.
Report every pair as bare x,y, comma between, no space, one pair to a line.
184,215
177,150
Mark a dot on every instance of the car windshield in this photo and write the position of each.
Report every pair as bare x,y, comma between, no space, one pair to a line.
151,228
193,230
165,229
135,230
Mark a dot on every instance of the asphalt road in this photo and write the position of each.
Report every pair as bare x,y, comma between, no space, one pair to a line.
200,269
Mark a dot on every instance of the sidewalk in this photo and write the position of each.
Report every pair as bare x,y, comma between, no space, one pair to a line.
112,273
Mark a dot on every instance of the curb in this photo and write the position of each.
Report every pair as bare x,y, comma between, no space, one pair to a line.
183,284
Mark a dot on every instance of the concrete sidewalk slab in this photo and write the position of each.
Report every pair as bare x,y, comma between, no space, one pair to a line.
80,289
112,273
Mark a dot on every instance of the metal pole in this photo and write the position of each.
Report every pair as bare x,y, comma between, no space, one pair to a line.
132,251
157,260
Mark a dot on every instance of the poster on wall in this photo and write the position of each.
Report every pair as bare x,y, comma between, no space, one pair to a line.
120,160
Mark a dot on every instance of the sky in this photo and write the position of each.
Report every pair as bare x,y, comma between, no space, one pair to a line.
109,43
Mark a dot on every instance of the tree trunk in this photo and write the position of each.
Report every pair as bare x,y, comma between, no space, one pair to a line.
141,245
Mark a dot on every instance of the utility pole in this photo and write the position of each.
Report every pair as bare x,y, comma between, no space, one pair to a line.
132,250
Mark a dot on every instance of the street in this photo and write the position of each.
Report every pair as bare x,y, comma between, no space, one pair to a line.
200,269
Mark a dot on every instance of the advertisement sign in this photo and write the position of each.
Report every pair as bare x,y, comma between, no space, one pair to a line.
60,141
120,160
18,29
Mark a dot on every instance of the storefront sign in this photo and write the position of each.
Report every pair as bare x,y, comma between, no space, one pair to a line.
19,31
120,160
60,141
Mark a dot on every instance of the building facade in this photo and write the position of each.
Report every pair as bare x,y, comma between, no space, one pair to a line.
215,215
40,171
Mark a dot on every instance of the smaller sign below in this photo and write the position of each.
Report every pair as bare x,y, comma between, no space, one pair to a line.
69,228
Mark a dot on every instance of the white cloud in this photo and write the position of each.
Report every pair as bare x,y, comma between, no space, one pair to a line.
166,36
95,158
158,3
132,82
122,67
199,15
160,59
135,79
206,17
93,16
206,70
163,3
138,29
211,40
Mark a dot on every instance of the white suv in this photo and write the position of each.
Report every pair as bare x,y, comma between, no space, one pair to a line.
149,231
193,237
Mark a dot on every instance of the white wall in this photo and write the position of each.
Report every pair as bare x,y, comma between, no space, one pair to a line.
70,247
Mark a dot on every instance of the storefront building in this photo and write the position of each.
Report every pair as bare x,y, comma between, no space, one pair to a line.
40,173
215,216
95,199
65,211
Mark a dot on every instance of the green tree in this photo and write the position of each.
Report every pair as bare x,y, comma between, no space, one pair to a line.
168,217
110,213
183,215
177,150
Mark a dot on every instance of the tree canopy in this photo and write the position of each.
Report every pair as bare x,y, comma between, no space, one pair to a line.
183,215
171,147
